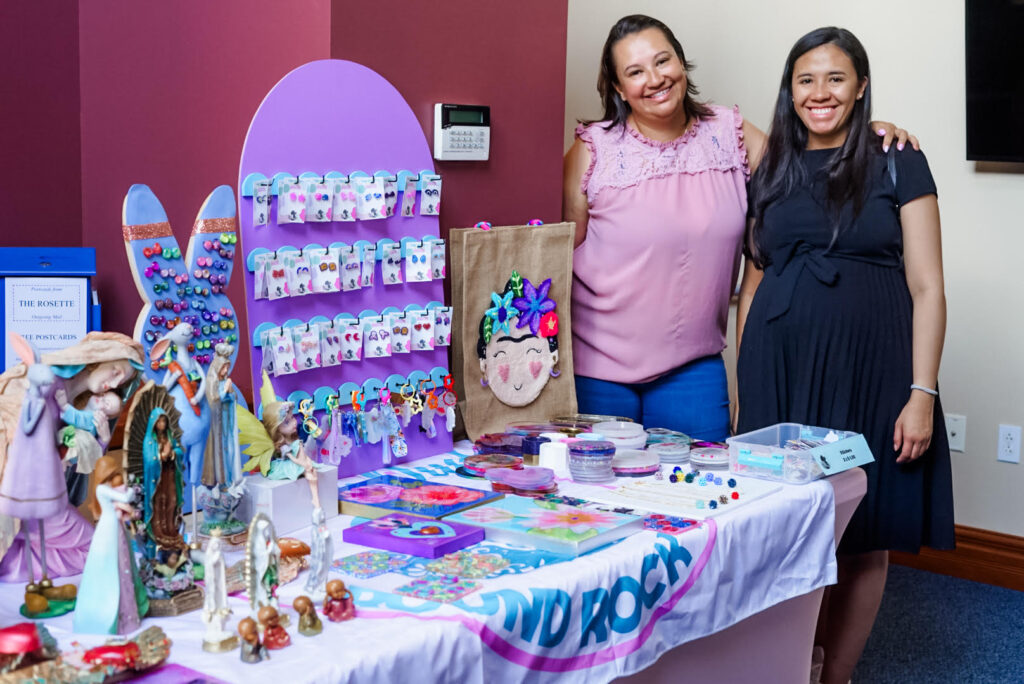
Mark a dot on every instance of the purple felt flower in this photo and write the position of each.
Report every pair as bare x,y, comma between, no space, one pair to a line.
533,304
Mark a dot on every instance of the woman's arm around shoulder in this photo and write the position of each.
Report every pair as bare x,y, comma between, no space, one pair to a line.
754,140
574,200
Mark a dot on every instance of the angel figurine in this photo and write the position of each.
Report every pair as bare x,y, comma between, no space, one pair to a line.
215,600
274,446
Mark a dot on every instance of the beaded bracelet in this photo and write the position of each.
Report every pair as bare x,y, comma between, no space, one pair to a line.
926,390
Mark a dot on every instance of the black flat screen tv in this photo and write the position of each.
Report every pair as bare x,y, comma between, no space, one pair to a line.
995,80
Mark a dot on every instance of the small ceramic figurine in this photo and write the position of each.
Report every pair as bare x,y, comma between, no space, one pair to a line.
309,621
252,650
32,487
262,558
112,598
87,431
153,447
99,363
222,482
294,558
339,606
184,381
215,600
321,557
274,444
274,635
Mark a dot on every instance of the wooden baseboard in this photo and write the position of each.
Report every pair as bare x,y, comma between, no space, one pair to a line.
980,555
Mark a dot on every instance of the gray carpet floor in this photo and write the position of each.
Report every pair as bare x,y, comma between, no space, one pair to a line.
934,629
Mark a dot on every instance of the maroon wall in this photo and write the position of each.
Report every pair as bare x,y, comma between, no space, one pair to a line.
39,129
167,93
508,55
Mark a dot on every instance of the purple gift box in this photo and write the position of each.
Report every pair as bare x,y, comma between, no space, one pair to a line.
414,536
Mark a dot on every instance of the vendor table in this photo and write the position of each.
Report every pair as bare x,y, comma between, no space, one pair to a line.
732,599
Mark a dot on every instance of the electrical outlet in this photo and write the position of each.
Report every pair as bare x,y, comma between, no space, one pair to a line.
956,431
1009,443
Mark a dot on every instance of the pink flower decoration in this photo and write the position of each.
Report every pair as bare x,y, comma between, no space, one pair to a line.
577,520
375,493
549,324
439,495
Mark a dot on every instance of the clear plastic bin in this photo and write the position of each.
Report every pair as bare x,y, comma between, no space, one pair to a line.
783,452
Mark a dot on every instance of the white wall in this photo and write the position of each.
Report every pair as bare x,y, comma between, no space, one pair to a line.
916,49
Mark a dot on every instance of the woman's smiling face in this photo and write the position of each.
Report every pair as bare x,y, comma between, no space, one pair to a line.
517,366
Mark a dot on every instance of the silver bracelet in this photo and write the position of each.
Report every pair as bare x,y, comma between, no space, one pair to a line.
926,390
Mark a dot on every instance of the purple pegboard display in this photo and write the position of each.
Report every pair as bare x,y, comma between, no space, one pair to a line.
339,116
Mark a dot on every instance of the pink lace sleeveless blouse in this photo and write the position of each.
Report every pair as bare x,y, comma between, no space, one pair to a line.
652,279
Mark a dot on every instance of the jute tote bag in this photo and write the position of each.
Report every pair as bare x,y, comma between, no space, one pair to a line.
511,326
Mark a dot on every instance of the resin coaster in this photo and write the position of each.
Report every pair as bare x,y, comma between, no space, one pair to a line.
468,565
440,588
366,564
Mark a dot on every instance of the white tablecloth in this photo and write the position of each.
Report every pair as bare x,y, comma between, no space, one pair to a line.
608,613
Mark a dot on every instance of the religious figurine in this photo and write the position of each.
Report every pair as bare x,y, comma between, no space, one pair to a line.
262,557
98,364
111,598
32,487
215,600
154,451
184,381
320,558
87,431
274,635
309,621
222,482
339,605
252,650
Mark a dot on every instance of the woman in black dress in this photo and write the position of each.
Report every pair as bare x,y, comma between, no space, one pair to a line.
842,315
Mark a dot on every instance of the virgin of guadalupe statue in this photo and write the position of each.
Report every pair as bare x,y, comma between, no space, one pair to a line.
153,446
162,483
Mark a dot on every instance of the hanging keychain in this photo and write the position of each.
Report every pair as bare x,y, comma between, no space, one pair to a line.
449,399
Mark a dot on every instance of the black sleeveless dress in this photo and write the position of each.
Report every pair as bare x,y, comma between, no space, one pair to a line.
827,342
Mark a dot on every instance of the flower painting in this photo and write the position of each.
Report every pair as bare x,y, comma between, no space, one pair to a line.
388,494
549,525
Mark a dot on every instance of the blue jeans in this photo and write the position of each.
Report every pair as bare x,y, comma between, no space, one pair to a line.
693,399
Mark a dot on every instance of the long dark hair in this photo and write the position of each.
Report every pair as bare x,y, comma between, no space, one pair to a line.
781,169
616,110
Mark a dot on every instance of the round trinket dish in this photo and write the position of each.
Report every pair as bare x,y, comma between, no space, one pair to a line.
671,452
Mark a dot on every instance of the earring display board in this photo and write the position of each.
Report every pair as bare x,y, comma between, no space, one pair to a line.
338,120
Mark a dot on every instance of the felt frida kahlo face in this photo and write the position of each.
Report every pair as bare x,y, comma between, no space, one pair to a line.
518,343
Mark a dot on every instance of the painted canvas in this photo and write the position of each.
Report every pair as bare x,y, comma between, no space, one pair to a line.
389,494
549,525
414,536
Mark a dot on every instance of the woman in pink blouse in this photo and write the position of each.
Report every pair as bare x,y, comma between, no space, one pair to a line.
658,193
